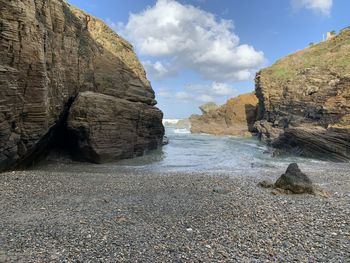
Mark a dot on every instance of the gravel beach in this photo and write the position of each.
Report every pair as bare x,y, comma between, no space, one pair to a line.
55,216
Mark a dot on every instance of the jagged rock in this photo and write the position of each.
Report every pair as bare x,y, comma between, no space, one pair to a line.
304,101
236,117
295,181
210,106
50,52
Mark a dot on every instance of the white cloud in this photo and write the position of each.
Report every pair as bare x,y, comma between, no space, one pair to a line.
216,89
319,6
185,37
159,70
201,93
184,96
205,98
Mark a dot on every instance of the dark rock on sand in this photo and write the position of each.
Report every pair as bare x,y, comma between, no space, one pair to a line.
295,180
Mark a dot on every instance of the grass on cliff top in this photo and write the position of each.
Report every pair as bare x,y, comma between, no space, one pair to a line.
333,55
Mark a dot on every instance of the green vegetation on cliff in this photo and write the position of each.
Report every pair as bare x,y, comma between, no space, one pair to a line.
332,55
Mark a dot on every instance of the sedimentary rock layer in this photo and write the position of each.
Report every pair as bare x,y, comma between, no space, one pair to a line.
304,100
50,52
235,117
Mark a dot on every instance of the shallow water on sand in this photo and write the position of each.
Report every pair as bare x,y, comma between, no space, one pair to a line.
200,153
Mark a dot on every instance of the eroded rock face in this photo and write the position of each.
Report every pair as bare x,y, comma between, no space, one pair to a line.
235,117
304,101
93,120
210,106
50,52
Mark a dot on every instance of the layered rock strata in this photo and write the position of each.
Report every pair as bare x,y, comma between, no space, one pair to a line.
58,65
304,101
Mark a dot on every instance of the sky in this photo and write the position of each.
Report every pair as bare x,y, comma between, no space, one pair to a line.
196,51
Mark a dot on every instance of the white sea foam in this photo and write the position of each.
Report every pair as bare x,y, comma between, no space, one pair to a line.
181,131
170,121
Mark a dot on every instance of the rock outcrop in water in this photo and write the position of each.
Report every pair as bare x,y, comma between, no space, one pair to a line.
235,117
304,101
66,79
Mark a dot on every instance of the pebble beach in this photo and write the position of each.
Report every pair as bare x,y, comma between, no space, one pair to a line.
55,216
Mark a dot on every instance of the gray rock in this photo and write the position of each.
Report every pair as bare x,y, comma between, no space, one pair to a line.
295,180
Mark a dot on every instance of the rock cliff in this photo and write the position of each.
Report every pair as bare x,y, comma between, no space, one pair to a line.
235,117
304,101
67,79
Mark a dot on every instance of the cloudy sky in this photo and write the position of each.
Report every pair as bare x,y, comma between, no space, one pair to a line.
196,51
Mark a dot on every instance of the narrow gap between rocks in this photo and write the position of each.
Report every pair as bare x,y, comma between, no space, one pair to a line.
57,143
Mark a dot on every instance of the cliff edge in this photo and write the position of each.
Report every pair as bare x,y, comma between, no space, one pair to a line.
304,101
67,80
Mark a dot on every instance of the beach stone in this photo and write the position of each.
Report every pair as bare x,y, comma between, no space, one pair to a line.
265,184
295,181
220,190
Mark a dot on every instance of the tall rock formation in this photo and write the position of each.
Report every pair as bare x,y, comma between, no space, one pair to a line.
235,117
304,101
68,79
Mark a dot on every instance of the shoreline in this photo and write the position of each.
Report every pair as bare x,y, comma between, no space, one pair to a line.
177,217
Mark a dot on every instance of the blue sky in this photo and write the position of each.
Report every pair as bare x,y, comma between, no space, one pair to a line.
197,51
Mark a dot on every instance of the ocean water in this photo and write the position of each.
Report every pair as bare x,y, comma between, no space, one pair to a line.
193,153
201,153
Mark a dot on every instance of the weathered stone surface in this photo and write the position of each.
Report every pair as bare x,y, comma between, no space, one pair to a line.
295,181
236,117
49,53
304,101
93,119
210,106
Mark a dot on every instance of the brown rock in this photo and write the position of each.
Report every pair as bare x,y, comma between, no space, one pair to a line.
210,106
304,101
93,120
236,117
49,53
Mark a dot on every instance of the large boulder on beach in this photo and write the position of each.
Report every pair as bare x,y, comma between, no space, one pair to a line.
295,181
304,101
51,53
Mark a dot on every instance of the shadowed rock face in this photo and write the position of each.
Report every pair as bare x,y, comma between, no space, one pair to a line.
235,117
304,101
50,55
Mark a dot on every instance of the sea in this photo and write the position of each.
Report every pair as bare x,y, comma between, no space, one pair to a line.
203,153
